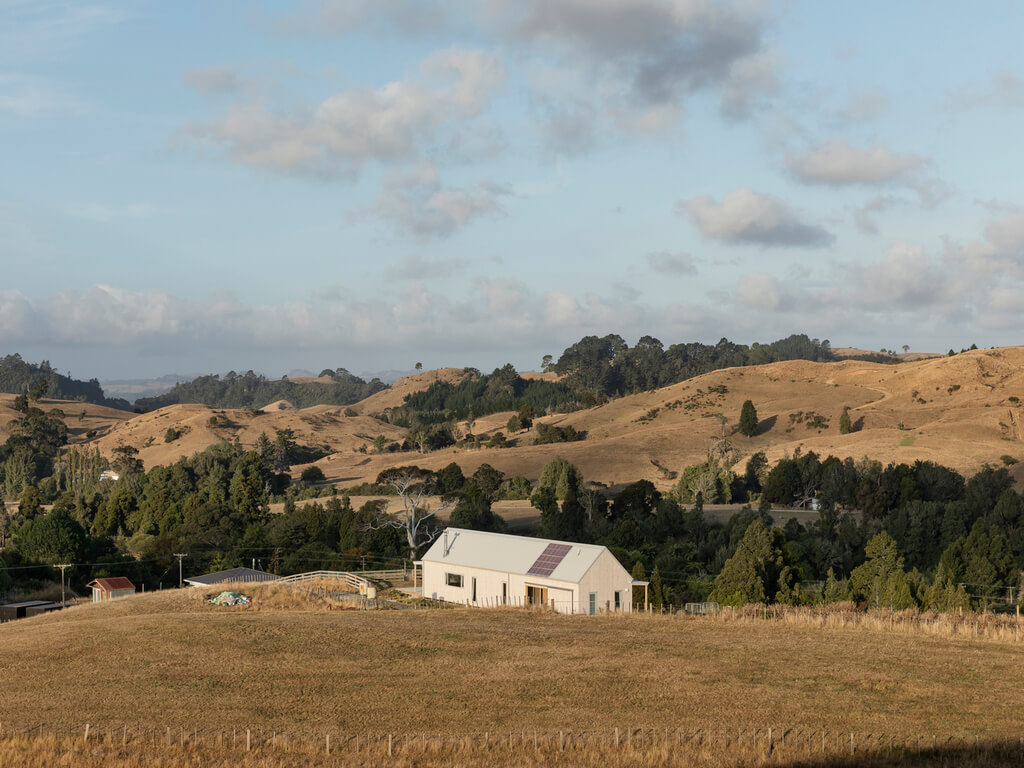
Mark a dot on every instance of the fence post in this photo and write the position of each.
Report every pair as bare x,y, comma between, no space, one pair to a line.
389,745
86,737
561,739
851,743
616,738
329,744
248,740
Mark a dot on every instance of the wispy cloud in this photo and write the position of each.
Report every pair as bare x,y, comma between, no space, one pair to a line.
340,135
838,163
747,217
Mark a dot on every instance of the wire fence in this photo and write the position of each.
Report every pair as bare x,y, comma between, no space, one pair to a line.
767,741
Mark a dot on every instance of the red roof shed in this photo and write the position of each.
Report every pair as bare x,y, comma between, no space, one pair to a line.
110,587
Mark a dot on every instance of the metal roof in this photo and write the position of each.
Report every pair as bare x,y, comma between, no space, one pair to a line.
232,574
111,583
509,554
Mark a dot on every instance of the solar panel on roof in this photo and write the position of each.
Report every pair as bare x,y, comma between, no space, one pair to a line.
549,559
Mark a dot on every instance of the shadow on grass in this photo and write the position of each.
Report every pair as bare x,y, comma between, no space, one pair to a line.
985,754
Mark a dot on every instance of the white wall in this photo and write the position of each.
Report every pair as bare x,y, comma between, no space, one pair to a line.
604,577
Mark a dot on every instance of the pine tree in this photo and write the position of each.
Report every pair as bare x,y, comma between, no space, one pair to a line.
881,580
845,426
748,419
749,574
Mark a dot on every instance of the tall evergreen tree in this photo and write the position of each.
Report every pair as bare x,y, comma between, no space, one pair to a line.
845,425
748,419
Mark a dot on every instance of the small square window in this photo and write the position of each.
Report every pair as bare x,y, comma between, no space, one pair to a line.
453,579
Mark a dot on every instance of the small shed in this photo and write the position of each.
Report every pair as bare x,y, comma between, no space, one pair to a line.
486,569
13,611
243,575
110,587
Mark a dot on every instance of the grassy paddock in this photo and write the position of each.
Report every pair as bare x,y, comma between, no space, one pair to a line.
298,665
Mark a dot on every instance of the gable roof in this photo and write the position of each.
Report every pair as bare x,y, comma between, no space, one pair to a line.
110,583
510,554
231,574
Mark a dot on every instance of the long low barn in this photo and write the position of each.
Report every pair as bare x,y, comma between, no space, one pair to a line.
482,568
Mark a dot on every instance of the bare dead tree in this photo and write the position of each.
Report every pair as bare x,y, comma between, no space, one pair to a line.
413,489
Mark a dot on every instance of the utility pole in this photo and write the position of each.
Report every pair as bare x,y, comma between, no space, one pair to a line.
180,557
63,567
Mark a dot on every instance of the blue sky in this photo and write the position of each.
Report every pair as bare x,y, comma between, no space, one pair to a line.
204,186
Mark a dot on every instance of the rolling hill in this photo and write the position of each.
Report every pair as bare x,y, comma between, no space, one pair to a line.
961,411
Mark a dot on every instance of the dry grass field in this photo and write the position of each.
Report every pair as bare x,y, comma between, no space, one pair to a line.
291,664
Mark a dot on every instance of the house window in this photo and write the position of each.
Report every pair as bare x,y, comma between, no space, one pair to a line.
536,595
593,603
453,579
618,601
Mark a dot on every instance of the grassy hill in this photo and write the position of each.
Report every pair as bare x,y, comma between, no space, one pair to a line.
292,665
962,411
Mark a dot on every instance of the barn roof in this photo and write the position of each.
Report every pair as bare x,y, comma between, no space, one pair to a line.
231,574
526,556
111,583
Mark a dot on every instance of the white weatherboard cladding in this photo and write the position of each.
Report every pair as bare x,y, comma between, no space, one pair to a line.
499,564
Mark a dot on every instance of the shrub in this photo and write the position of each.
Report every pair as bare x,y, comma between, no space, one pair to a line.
312,474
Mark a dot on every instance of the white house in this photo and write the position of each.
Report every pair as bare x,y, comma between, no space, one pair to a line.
484,569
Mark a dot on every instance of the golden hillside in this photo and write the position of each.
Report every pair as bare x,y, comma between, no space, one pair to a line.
961,411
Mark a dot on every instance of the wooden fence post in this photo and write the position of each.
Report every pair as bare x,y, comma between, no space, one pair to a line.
248,740
851,743
86,737
389,745
616,738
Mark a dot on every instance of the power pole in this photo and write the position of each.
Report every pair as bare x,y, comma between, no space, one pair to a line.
63,567
180,557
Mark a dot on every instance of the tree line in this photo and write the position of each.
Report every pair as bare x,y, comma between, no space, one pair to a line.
19,377
252,390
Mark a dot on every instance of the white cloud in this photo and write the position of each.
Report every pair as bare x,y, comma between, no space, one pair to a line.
838,163
337,137
745,216
904,280
417,204
864,217
672,263
760,291
626,67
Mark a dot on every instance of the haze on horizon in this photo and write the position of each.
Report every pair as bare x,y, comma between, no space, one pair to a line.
210,186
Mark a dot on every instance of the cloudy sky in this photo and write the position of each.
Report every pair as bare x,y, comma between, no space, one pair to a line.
208,185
